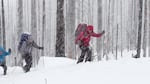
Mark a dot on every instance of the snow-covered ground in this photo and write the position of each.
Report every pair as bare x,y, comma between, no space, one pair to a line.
52,70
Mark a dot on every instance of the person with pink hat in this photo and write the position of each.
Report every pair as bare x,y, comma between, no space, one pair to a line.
83,40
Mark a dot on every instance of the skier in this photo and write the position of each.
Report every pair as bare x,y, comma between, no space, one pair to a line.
25,48
3,54
83,40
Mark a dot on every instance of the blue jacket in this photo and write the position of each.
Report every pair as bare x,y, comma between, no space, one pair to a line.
3,53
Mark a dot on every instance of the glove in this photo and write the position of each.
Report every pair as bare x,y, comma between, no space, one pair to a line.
41,48
103,32
9,50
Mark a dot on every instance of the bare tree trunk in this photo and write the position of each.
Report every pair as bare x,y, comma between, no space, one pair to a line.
20,18
43,25
105,25
133,22
107,37
145,30
19,24
77,50
34,29
117,43
121,29
89,12
136,22
149,25
0,31
99,41
3,25
139,29
70,26
108,29
112,25
82,10
60,35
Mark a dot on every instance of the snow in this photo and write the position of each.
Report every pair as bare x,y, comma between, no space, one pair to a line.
26,32
54,70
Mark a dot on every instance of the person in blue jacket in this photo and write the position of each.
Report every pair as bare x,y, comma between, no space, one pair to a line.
3,54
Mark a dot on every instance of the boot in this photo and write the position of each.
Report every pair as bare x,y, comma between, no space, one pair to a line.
26,69
5,70
88,59
80,60
89,56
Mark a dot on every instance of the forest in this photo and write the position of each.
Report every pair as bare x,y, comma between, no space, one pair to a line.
52,23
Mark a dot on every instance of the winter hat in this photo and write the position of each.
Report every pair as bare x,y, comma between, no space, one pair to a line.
90,27
26,32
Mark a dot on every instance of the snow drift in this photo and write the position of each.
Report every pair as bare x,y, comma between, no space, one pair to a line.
53,70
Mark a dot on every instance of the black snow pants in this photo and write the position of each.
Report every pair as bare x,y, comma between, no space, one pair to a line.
28,60
3,64
84,51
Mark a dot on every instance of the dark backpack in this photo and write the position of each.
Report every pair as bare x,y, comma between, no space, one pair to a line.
24,38
80,28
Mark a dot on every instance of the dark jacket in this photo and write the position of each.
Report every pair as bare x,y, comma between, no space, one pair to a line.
27,46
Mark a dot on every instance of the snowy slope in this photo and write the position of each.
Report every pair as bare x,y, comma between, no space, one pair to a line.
65,71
